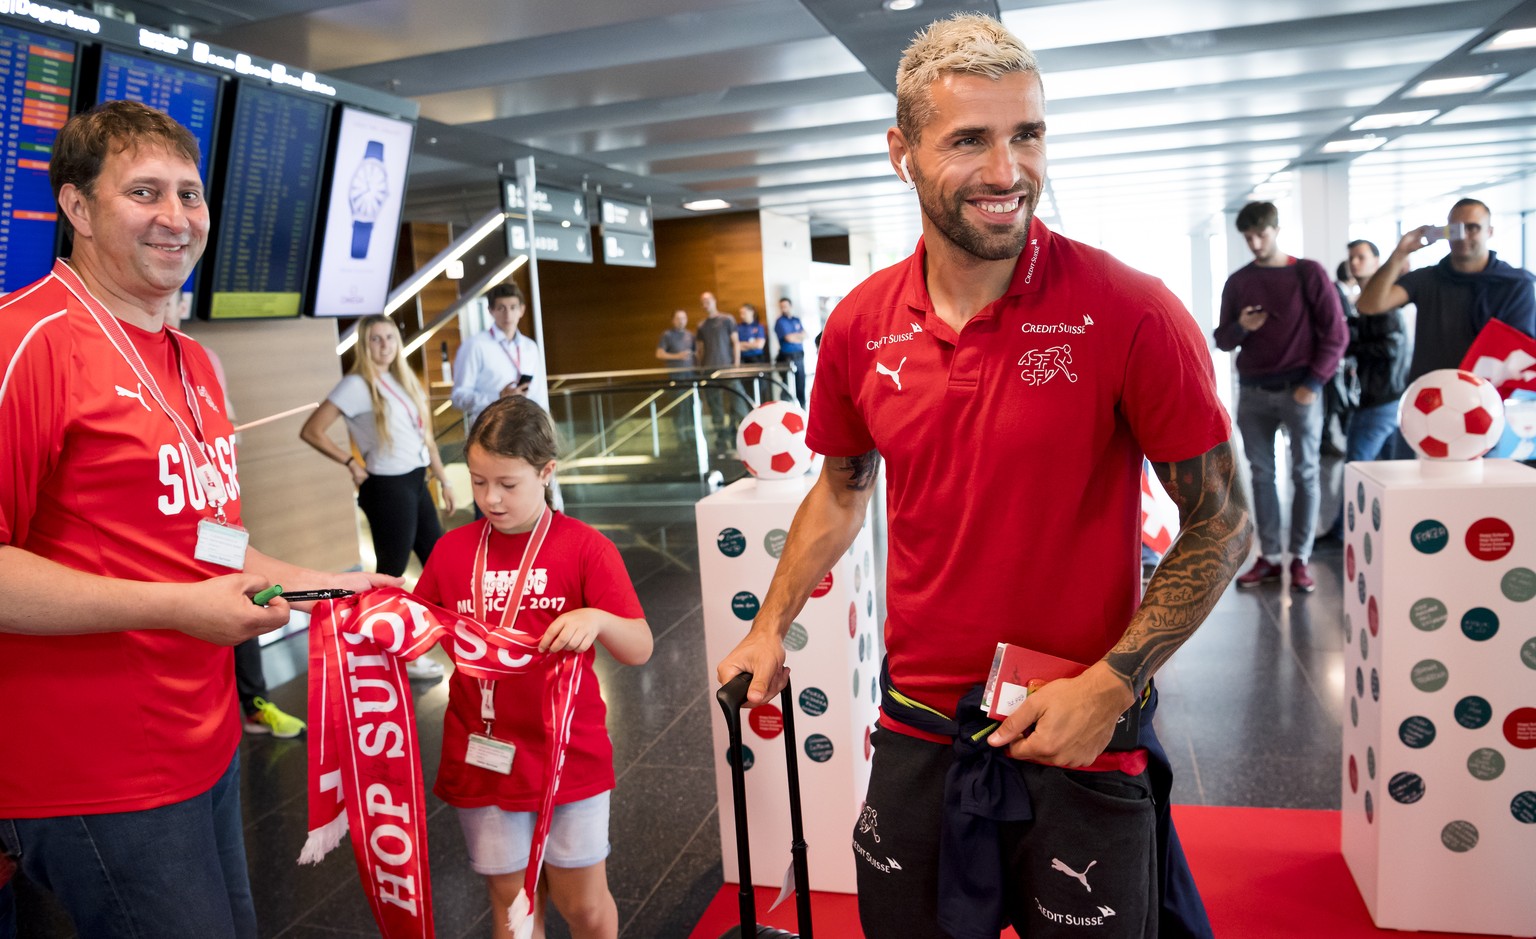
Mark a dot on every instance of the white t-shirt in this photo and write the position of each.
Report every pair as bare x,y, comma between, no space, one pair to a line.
407,450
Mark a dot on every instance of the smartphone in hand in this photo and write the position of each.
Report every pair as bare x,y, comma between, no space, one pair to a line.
1455,231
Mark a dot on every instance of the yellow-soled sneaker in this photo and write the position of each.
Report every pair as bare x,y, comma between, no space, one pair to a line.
271,719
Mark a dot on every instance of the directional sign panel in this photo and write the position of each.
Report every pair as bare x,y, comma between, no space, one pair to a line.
628,250
549,203
618,215
554,241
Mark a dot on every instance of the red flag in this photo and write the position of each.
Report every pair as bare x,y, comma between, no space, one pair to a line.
1159,516
1503,355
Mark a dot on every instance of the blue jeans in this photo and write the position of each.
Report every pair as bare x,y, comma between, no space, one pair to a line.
172,872
1260,414
1370,431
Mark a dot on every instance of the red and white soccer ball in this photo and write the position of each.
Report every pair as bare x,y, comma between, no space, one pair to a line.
1450,414
771,441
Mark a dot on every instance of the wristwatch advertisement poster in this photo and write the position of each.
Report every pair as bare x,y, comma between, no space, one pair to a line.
362,223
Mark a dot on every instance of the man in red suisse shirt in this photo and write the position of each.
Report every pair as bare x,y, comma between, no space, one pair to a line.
125,573
1011,379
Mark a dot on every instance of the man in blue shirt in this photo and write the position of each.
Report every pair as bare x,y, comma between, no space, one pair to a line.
791,336
753,338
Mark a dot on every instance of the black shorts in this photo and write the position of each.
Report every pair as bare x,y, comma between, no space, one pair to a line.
1086,865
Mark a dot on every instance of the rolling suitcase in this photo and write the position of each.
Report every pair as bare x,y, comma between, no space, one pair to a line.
731,696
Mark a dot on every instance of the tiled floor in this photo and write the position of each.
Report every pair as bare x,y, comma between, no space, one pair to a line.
1250,716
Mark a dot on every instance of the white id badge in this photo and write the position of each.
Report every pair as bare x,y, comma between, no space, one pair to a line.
223,545
490,753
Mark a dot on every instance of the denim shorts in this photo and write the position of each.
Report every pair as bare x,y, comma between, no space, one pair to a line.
500,841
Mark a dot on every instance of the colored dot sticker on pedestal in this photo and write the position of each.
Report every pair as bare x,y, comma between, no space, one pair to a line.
1365,645
1367,545
1519,584
1360,681
874,690
818,748
1430,536
1354,775
855,682
813,701
1428,614
824,587
1354,712
773,542
1523,807
1370,808
1473,712
1528,653
1460,837
796,638
1360,496
1370,762
744,605
1349,563
1375,686
747,759
1350,516
1376,514
1373,616
858,579
1360,586
1429,675
1406,788
1417,732
766,720
731,542
861,648
1489,539
869,603
1485,763
1479,624
1520,728
853,620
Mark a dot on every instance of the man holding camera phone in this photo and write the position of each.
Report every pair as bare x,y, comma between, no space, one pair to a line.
1456,297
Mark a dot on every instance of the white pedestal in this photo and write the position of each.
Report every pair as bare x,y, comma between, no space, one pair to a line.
834,660
1439,808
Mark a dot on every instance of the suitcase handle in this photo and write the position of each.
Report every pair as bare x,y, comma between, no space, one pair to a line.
731,697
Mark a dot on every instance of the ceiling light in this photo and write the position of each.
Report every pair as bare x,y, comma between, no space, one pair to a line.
1510,39
1354,144
1461,85
706,205
1392,119
897,6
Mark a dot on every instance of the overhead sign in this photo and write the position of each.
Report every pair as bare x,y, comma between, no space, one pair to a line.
628,250
632,217
554,241
549,203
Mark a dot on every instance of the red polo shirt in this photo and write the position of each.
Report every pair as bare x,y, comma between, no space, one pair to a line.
1013,451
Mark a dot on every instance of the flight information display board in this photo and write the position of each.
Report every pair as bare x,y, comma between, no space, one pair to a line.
362,221
188,95
37,74
269,204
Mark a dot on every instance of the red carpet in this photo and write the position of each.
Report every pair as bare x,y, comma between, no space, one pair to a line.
1264,874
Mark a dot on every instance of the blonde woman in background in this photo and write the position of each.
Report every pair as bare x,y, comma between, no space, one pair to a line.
387,418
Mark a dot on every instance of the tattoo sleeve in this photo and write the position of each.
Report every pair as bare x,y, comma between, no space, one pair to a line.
1214,537
861,469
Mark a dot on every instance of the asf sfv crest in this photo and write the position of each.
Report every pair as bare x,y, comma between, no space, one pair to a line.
1042,365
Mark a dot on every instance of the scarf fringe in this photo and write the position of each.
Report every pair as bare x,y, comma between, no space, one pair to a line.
520,917
323,840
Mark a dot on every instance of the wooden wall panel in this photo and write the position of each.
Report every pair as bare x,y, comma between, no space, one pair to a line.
297,505
600,316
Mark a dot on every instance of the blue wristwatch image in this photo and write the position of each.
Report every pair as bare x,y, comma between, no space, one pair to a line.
369,190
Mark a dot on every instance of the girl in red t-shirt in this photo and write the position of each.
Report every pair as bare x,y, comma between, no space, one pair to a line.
576,593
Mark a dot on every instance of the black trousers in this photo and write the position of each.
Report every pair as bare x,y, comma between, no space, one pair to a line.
403,519
797,359
250,681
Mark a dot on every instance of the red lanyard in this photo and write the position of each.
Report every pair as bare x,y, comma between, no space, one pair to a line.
514,597
513,354
410,410
192,440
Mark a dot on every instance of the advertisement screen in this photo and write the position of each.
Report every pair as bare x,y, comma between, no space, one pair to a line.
37,78
362,222
269,205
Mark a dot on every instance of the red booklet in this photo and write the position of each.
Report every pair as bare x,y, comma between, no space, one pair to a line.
1013,668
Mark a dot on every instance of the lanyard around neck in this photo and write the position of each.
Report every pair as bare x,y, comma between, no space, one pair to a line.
192,440
514,605
510,349
410,410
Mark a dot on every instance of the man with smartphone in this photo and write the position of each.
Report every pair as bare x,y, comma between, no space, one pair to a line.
1456,297
499,361
1283,313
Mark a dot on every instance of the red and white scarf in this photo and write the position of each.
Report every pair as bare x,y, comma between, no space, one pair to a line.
364,756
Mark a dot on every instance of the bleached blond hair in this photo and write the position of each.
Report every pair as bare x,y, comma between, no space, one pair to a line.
969,43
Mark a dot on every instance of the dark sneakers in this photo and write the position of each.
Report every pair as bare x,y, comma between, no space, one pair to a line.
1301,576
1262,572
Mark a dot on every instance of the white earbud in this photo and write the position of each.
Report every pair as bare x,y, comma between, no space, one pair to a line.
906,174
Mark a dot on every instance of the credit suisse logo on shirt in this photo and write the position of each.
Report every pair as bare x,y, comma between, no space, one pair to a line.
1041,365
498,587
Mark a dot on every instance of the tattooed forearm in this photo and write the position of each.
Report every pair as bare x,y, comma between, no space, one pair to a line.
861,469
1214,538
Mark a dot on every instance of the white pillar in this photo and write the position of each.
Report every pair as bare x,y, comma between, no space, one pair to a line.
1324,222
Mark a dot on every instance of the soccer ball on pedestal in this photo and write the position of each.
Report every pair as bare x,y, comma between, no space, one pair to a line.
1449,414
771,442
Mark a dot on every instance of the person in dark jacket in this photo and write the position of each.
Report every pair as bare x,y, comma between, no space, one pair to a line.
1379,345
